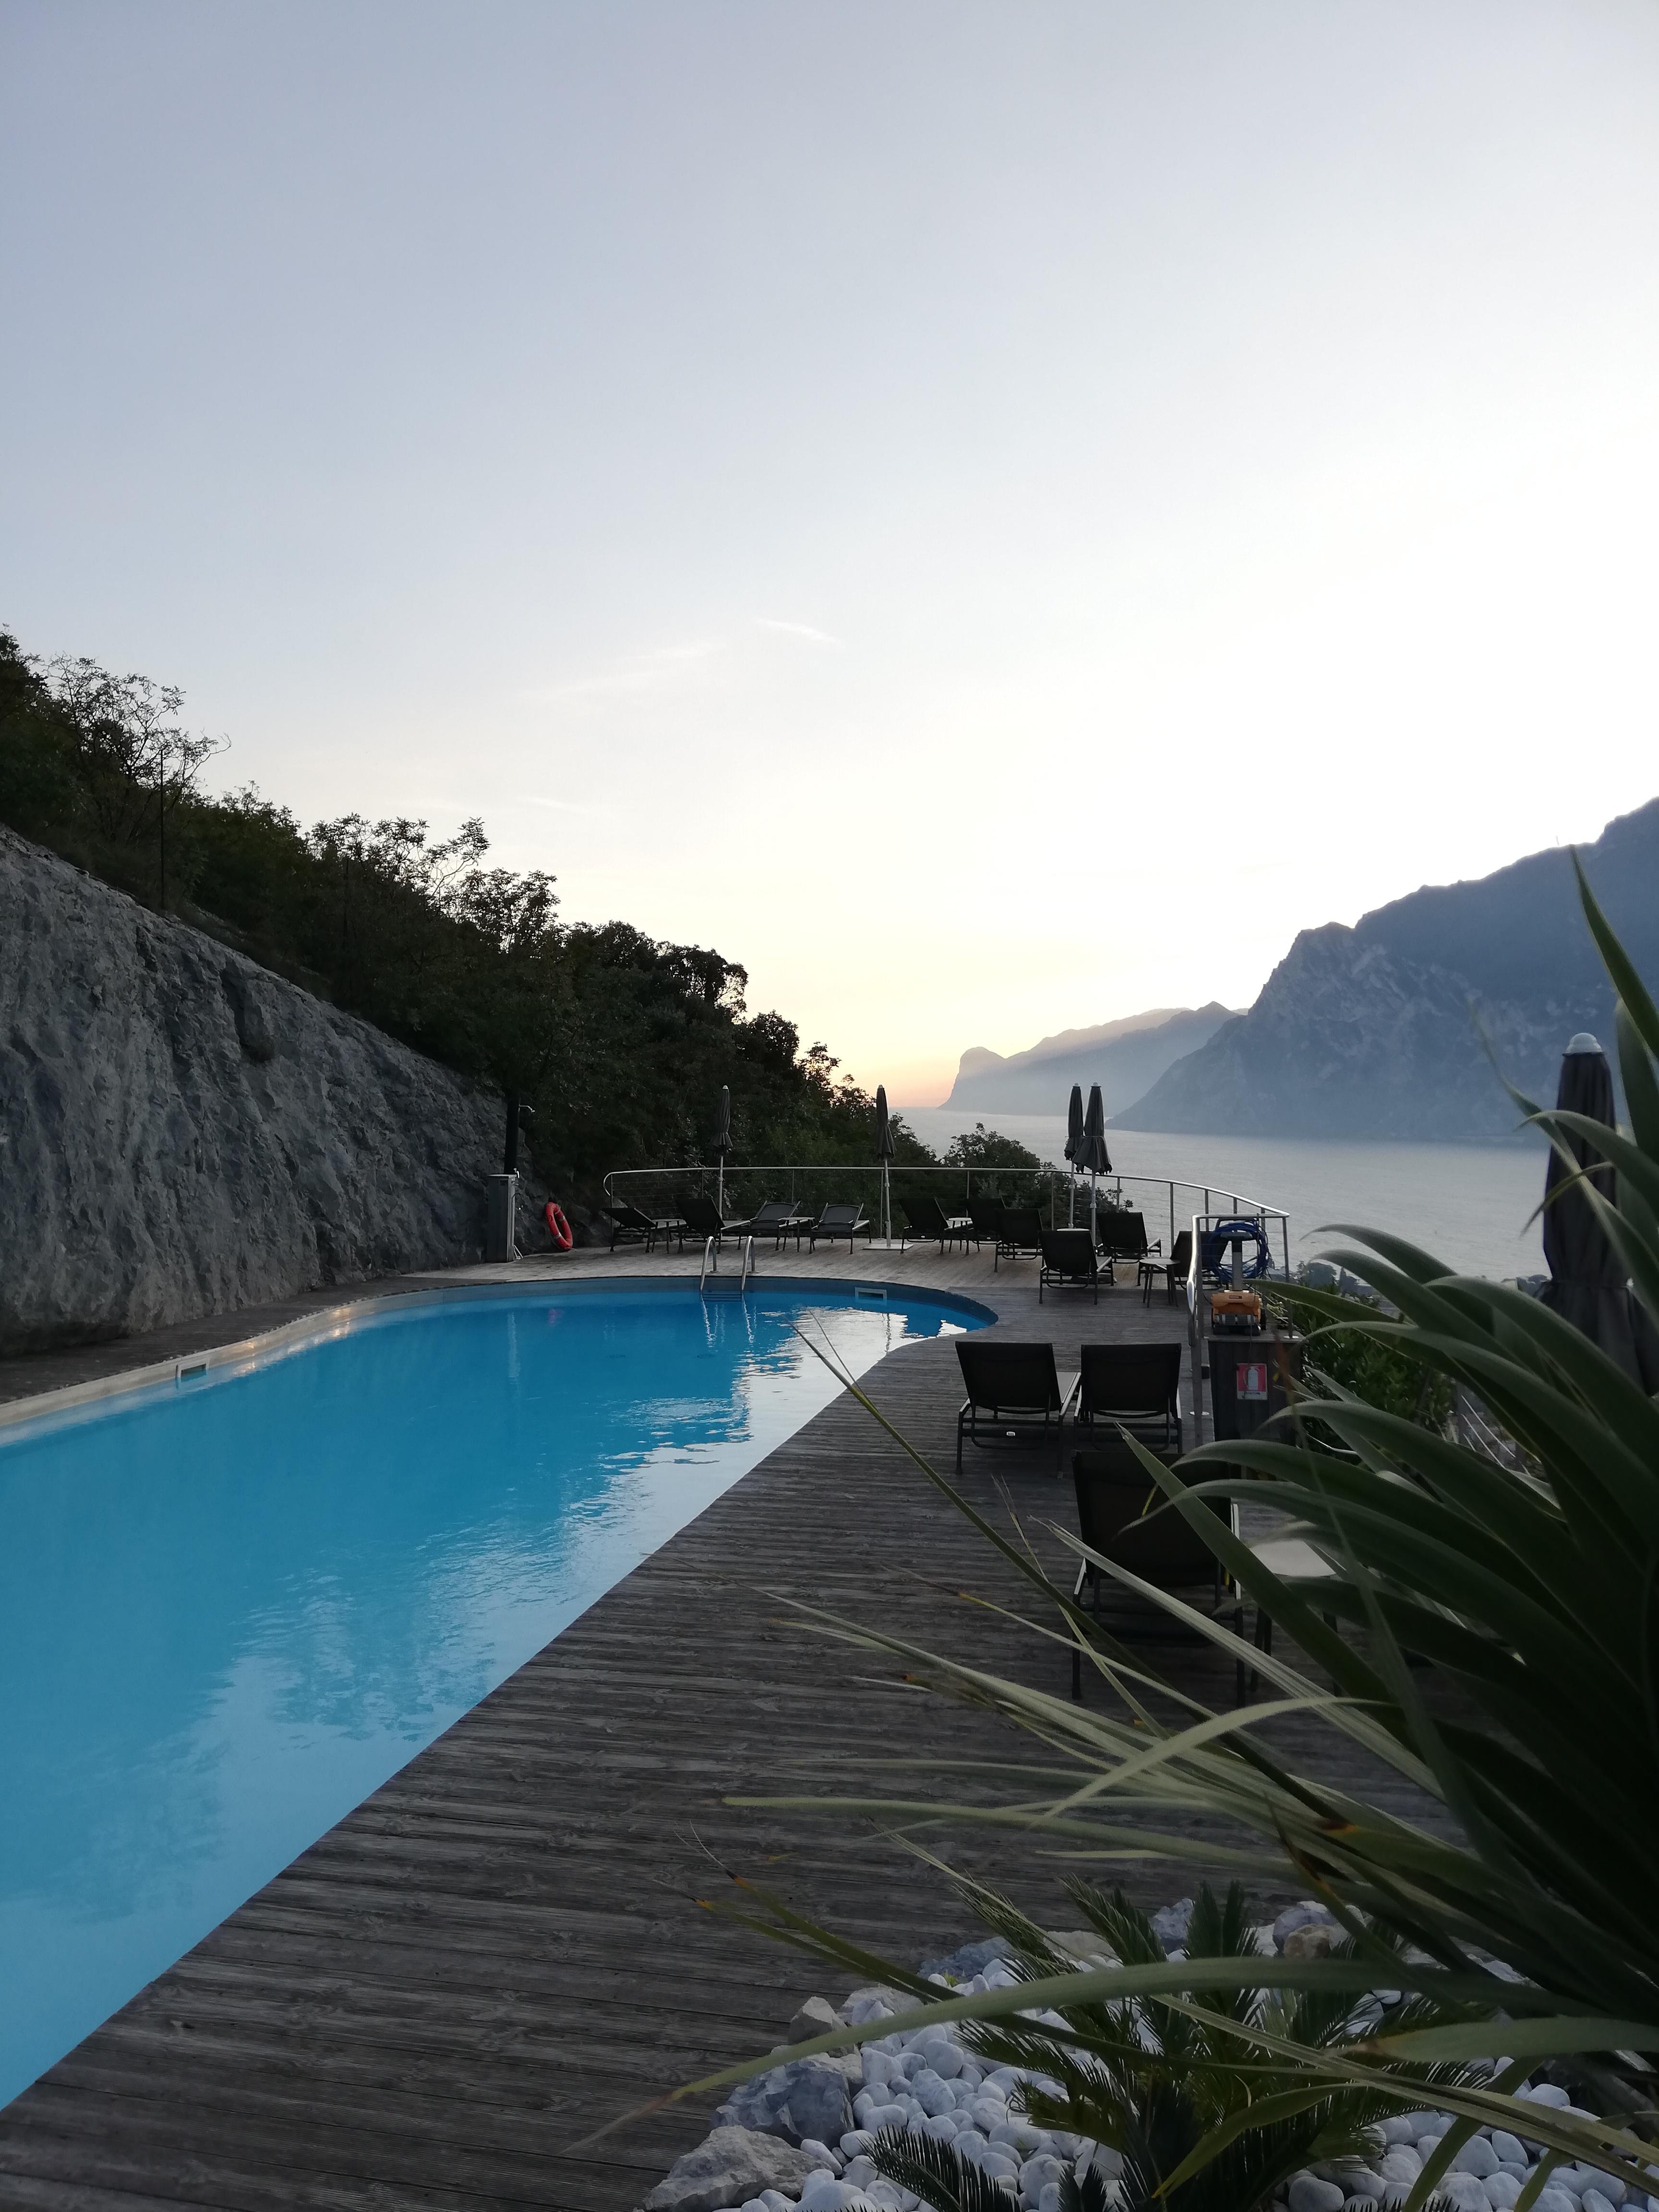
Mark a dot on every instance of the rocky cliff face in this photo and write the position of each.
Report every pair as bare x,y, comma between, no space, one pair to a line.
1348,1041
1391,1029
182,1133
1123,1057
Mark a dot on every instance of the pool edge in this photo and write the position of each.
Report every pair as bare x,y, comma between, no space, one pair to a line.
336,1320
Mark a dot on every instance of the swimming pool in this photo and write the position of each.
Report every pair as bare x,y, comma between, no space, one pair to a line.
233,1605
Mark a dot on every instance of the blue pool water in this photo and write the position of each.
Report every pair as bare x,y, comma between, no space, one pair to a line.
231,1607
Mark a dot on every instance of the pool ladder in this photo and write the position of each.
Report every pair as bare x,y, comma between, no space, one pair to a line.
711,1264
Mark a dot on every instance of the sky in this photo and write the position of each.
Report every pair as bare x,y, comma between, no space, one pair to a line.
992,516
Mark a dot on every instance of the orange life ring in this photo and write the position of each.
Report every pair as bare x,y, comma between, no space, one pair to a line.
558,1226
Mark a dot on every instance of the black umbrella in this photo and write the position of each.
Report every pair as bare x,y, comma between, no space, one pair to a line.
723,1145
1091,1155
885,1150
1590,1284
1073,1141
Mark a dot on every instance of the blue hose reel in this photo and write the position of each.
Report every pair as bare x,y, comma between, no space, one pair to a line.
1217,1241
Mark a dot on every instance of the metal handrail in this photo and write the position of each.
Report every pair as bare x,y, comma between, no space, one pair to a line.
1237,1201
748,1267
711,1262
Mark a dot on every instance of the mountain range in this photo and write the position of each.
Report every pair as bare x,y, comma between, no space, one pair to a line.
1124,1057
1391,1029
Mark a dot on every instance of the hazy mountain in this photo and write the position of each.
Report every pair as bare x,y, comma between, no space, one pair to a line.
1122,1057
1377,1031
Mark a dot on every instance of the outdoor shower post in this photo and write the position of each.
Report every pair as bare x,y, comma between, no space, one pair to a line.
502,1222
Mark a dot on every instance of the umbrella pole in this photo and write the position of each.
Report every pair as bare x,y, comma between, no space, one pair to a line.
1094,1211
887,1207
719,1188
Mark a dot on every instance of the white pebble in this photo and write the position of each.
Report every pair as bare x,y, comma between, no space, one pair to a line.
1547,2093
1309,2193
1477,2157
1508,2148
1502,2190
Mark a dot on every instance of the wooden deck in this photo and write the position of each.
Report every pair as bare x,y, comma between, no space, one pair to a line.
500,1950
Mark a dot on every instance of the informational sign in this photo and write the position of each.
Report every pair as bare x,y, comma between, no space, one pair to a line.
1251,1379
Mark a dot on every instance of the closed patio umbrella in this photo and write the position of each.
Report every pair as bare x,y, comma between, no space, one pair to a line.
1092,1155
722,1146
1074,1140
885,1149
1589,1283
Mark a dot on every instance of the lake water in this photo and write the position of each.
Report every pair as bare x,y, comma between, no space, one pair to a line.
1469,1204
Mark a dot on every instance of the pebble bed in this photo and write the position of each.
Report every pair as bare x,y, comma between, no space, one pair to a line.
930,2083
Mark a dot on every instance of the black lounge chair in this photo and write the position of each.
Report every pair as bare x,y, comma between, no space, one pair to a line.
1123,1235
928,1218
629,1224
1014,1394
1069,1262
778,1218
1124,1516
985,1215
1135,1386
703,1219
1174,1270
836,1221
1020,1230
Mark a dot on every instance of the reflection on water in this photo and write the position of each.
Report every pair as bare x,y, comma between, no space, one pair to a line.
230,1611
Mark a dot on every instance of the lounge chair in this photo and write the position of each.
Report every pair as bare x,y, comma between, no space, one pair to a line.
629,1224
928,1218
1069,1262
778,1218
1174,1270
985,1215
1135,1386
835,1221
1014,1394
1020,1230
1124,1516
703,1219
1123,1235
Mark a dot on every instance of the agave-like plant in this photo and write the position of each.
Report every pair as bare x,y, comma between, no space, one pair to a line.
1534,1594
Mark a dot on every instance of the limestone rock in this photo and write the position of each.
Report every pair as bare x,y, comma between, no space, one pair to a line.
728,2167
816,2017
182,1133
809,2097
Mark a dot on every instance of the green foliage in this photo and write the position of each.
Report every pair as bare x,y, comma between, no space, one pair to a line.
1342,1358
620,1042
1153,2080
982,1148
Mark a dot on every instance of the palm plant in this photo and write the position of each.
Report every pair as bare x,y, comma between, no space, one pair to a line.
1152,2080
1534,1595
